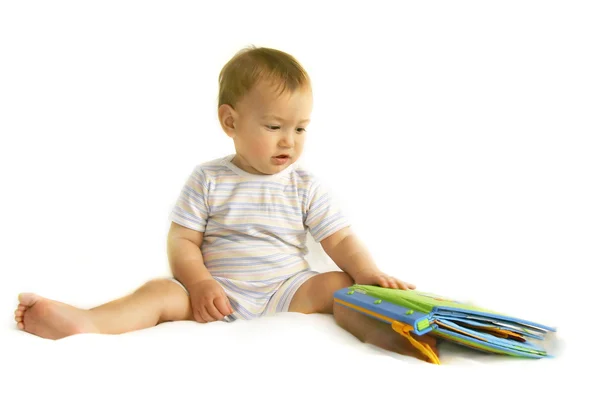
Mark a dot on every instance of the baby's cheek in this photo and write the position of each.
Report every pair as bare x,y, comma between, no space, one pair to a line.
262,148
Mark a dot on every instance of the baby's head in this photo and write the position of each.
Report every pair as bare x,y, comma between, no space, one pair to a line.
265,102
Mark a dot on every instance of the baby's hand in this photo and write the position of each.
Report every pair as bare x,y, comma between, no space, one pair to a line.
209,301
378,278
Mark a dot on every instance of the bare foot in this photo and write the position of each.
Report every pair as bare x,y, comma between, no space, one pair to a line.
51,319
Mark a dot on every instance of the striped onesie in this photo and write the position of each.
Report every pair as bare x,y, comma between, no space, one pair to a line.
255,229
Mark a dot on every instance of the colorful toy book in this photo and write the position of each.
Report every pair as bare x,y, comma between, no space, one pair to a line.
465,324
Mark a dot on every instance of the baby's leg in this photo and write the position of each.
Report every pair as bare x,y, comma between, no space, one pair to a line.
379,333
316,296
155,302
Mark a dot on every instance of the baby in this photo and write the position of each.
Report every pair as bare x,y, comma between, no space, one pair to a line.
237,241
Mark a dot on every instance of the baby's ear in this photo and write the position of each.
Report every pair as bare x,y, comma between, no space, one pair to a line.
227,118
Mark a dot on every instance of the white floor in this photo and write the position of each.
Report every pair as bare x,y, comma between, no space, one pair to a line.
288,355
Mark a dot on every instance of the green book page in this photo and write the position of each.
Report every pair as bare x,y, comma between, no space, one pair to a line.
416,300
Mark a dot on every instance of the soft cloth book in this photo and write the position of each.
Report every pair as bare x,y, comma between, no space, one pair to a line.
462,323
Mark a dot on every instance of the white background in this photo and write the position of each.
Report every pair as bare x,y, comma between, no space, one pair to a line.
460,137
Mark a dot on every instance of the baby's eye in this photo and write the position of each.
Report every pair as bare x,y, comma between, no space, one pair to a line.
273,127
301,130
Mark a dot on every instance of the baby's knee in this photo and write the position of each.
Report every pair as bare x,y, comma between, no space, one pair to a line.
340,280
333,281
169,297
161,286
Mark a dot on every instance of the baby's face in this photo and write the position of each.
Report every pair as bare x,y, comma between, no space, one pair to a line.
270,128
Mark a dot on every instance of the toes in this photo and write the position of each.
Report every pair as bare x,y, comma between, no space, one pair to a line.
28,299
22,307
20,326
19,313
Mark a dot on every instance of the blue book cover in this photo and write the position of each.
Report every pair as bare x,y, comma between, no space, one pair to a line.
465,324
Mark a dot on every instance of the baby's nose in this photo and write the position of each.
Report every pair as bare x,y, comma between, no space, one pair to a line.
286,141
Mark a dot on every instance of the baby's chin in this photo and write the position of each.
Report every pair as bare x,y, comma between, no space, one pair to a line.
272,166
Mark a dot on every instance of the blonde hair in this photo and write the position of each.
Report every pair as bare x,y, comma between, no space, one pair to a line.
253,64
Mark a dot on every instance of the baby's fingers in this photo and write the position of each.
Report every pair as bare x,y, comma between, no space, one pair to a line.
383,281
406,285
393,283
213,312
198,316
398,284
205,315
389,282
223,306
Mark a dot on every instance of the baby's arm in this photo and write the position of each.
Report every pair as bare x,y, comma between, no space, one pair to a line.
185,256
352,257
208,299
348,253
